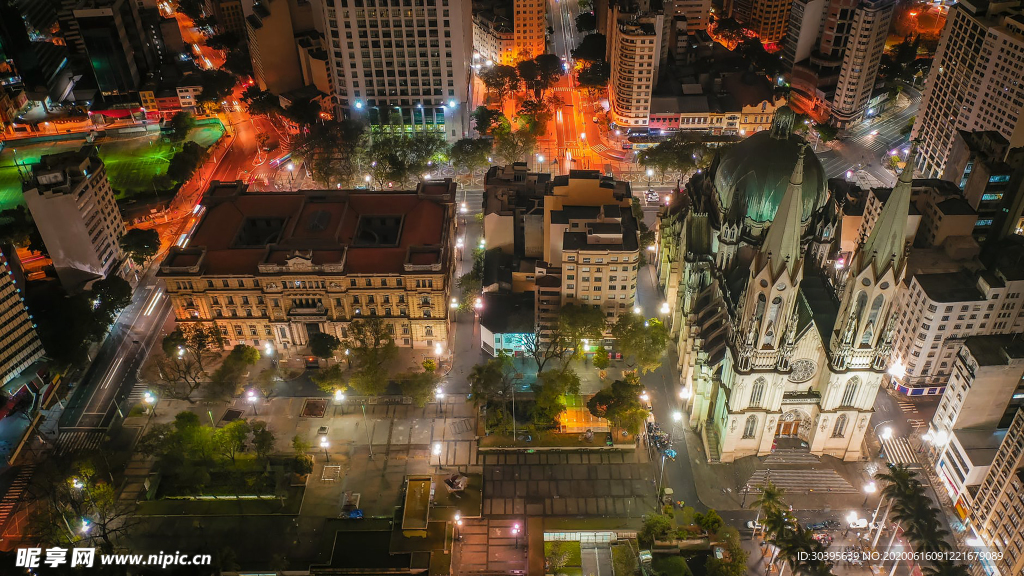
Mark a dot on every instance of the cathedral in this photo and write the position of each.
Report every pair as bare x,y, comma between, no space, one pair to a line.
776,338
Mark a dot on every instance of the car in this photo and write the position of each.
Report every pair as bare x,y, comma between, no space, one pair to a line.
818,526
653,197
753,525
595,119
873,133
859,523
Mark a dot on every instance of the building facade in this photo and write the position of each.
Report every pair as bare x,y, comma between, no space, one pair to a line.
493,40
19,343
991,175
635,45
272,269
74,208
413,62
994,519
974,83
766,18
696,12
113,38
530,28
271,28
768,348
868,30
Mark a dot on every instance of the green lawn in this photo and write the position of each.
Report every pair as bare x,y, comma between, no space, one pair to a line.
222,507
575,558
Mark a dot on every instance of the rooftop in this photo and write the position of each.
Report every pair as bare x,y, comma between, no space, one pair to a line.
507,313
956,207
996,349
950,287
347,231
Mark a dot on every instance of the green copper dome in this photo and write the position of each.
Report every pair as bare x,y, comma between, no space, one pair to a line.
753,175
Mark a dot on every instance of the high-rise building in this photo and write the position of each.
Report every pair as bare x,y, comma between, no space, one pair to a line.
696,13
493,39
411,64
114,39
974,83
530,27
272,269
833,75
229,14
73,206
21,346
939,311
991,175
994,517
637,45
272,27
767,18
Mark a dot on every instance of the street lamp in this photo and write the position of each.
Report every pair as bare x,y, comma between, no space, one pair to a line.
515,532
437,452
677,416
324,444
644,396
664,308
869,489
251,397
77,484
650,173
454,304
458,524
367,180
86,526
685,393
636,310
439,396
150,399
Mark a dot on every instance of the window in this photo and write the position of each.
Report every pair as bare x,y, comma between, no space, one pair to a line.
840,429
757,393
750,427
850,392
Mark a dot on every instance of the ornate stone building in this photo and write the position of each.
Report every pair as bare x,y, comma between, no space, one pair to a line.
771,341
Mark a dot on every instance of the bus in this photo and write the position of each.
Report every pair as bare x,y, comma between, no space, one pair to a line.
280,160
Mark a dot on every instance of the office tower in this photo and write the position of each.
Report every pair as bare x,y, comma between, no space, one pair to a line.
696,13
73,206
272,27
975,82
115,41
637,45
991,175
530,27
767,18
271,270
21,346
834,75
806,19
410,65
230,14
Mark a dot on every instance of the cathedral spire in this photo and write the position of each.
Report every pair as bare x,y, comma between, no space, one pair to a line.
887,239
782,243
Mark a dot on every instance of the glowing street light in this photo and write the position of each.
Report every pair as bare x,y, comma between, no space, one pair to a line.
478,304
664,308
897,370
251,397
437,452
463,209
515,532
150,400
886,434
438,349
685,393
636,310
454,303
677,416
77,484
325,444
644,396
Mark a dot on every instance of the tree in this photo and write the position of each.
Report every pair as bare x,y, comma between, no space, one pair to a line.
266,381
643,340
262,440
140,244
399,158
185,162
593,77
227,378
216,86
620,404
908,127
486,119
300,445
323,345
578,323
223,40
586,22
259,102
330,379
194,9
18,229
187,350
470,154
591,49
710,522
656,527
420,386
826,132
770,498
528,74
238,61
624,560
231,438
549,70
600,359
305,113
513,145
557,557
181,123
109,296
549,395
534,115
329,149
544,347
373,350
492,380
502,80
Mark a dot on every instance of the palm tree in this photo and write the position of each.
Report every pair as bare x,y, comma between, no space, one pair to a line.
900,484
770,499
779,525
800,549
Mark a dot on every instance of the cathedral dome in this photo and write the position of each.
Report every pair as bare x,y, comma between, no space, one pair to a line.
752,176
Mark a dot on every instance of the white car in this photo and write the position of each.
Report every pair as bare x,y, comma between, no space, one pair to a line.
752,525
859,523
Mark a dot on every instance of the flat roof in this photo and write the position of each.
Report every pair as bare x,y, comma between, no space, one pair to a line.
995,349
417,503
950,287
367,232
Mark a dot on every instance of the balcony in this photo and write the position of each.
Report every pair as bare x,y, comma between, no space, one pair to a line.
806,397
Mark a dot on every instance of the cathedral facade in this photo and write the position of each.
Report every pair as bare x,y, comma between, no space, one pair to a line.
775,338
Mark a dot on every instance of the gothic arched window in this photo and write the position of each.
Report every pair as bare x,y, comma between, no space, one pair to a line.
850,392
750,427
869,328
774,314
757,393
840,429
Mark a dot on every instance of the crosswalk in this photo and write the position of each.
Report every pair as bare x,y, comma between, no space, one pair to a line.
599,148
69,443
801,481
907,406
13,495
898,451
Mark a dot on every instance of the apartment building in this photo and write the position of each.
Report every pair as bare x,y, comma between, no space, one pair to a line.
229,15
272,27
411,61
530,26
73,206
737,103
939,311
991,175
635,45
493,39
976,80
767,18
986,384
19,343
696,13
272,269
836,48
995,525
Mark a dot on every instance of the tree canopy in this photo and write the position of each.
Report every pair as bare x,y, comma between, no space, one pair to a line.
140,244
486,119
642,340
620,404
591,49
373,350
